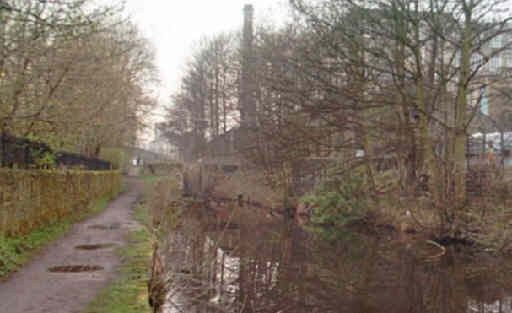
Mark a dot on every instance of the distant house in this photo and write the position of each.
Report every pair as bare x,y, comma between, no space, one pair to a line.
491,90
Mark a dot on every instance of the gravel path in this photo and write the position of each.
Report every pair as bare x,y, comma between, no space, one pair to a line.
34,289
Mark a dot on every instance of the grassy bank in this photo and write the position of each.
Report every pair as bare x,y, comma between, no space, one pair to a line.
17,251
150,180
129,293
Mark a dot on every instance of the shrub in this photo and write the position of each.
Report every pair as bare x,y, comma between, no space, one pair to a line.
44,159
339,202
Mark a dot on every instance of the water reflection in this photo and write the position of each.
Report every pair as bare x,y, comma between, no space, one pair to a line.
253,264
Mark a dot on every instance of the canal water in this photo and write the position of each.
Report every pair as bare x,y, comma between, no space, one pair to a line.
253,263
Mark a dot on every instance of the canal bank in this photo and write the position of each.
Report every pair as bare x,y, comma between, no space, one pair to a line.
231,257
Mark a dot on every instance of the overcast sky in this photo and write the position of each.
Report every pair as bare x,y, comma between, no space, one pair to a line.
174,26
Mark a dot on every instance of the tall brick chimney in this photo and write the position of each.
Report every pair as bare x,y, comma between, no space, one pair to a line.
247,103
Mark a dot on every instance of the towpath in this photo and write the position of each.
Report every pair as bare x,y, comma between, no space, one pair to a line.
35,289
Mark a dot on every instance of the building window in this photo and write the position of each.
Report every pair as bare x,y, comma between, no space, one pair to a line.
484,106
507,59
494,63
496,42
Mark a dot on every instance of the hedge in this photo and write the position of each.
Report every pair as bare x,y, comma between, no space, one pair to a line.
33,198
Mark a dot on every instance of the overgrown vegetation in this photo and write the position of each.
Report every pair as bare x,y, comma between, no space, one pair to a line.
338,204
408,87
17,251
119,158
44,160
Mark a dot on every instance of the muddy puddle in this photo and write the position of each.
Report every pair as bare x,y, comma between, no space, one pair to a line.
105,227
95,246
75,268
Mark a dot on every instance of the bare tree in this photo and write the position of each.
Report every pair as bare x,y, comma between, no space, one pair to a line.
204,106
73,75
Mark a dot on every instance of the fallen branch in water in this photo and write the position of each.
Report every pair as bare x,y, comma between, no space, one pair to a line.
443,249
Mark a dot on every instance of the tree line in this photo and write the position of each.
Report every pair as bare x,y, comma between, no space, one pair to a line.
73,74
358,82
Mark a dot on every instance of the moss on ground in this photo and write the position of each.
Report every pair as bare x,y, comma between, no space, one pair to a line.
18,251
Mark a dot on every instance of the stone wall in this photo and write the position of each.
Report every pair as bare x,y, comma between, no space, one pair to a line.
33,198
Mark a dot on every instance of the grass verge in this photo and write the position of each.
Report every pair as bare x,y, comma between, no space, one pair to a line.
124,187
150,180
128,293
18,251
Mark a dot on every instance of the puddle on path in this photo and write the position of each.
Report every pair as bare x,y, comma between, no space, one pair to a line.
75,268
95,246
105,227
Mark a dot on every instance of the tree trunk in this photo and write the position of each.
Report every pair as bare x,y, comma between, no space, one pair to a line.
459,136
